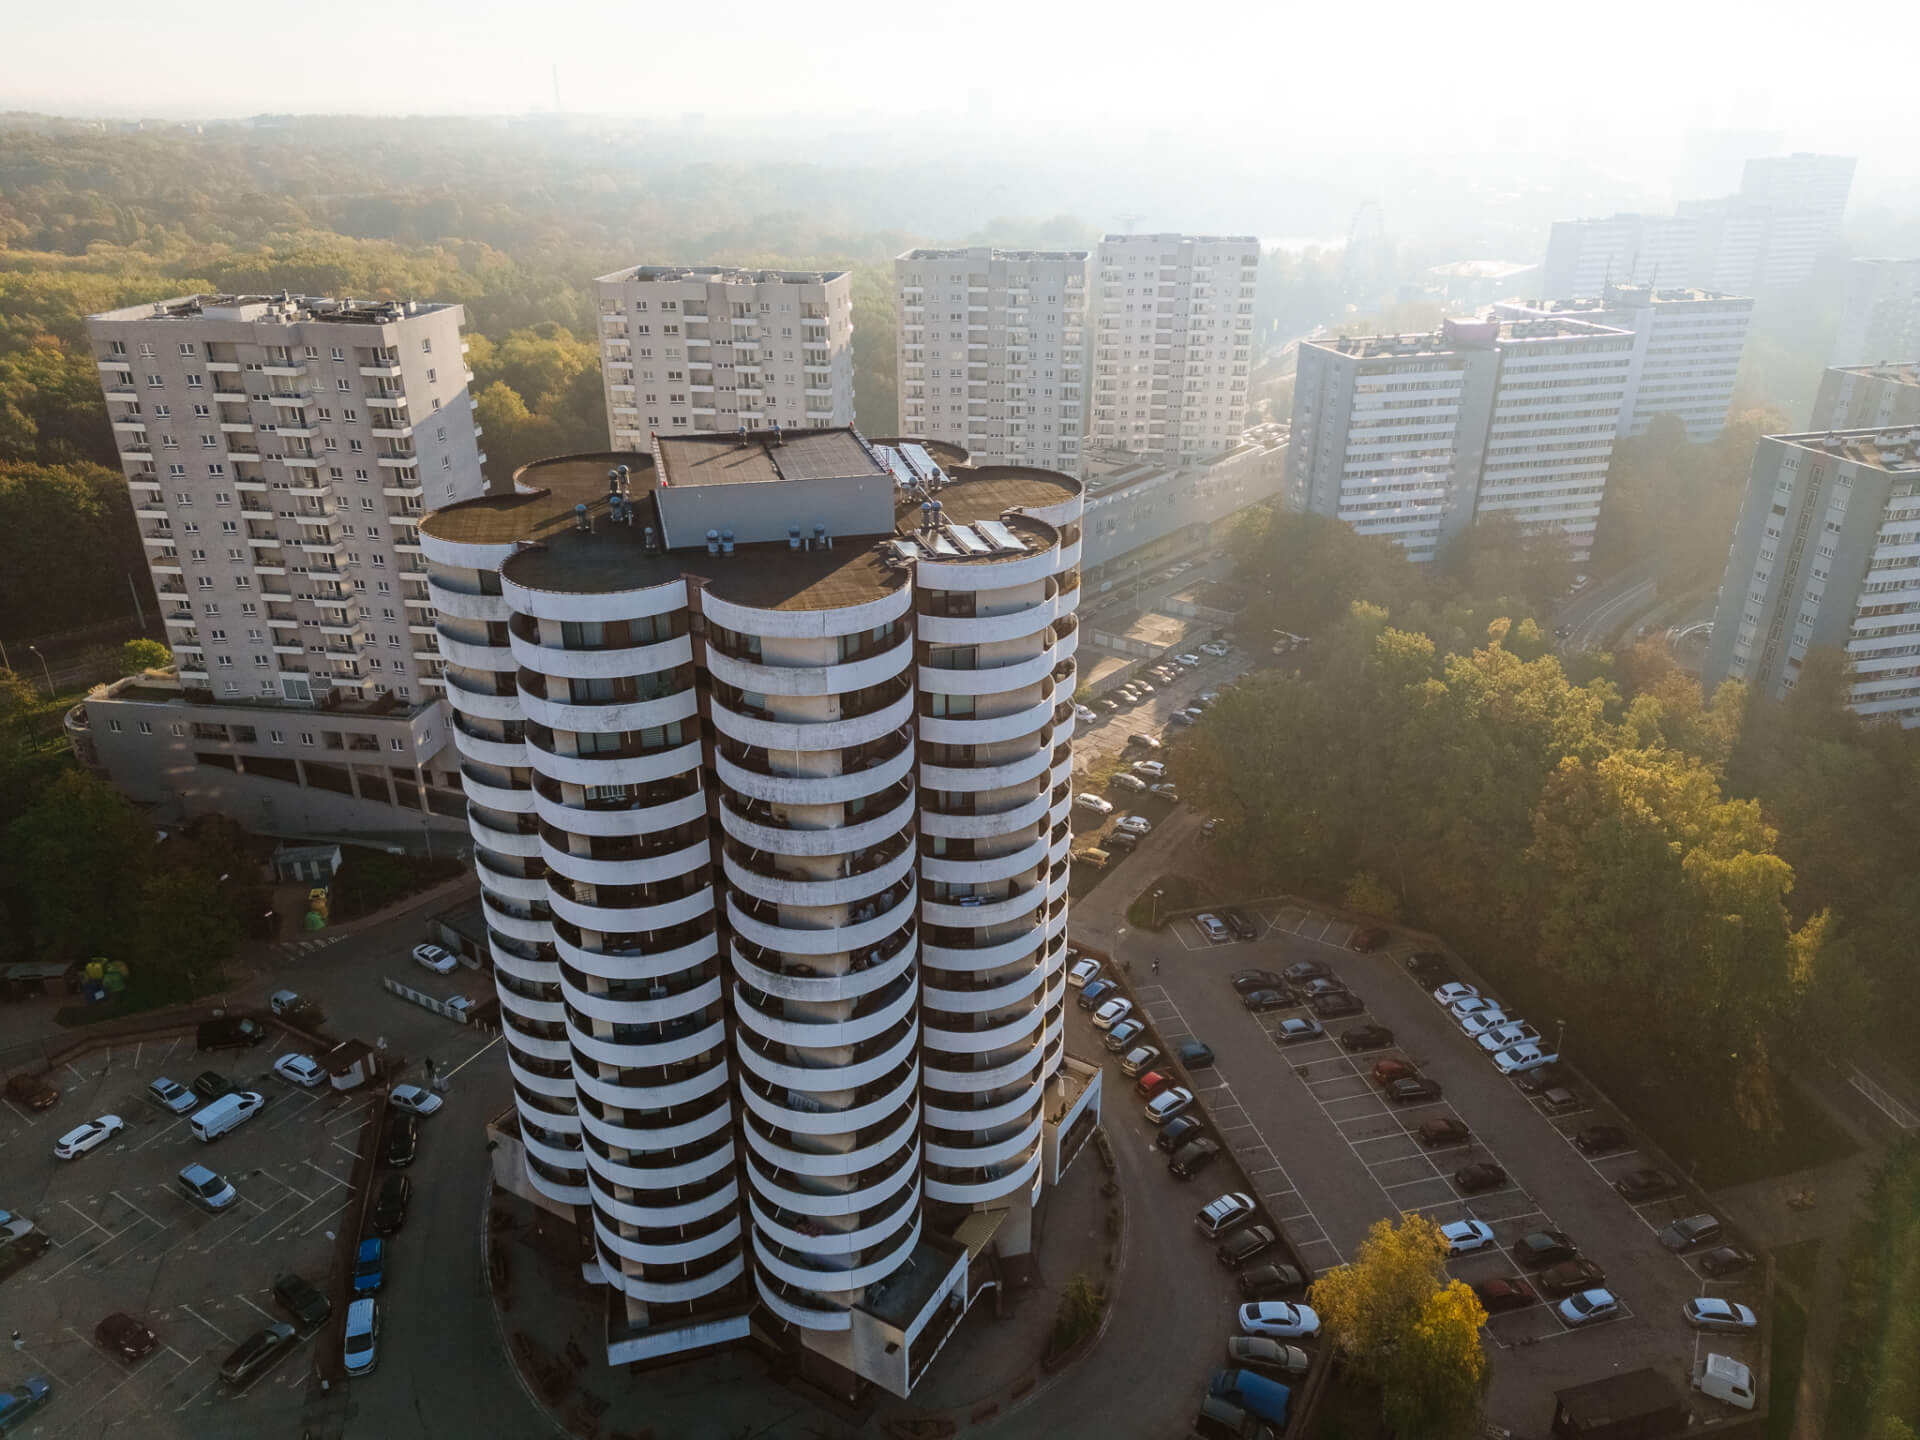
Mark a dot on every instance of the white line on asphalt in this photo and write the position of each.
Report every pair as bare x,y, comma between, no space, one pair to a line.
324,1219
88,1218
473,1057
135,1208
208,1323
251,1306
77,1075
196,1395
159,1134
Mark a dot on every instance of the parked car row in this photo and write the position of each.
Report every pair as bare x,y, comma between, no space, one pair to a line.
1512,1045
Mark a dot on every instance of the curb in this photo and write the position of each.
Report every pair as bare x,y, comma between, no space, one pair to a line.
500,1321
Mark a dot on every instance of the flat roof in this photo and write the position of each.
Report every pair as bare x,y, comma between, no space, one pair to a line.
558,555
1895,449
1629,1394
1458,335
1117,238
721,275
285,308
1902,372
990,252
754,456
1619,297
899,1299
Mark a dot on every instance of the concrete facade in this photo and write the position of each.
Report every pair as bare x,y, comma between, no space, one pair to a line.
1686,353
1585,256
1863,397
1819,184
992,353
1134,503
1880,318
1823,557
699,348
1172,321
1415,436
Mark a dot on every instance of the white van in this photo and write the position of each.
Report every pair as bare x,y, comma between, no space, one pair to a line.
1724,1378
225,1113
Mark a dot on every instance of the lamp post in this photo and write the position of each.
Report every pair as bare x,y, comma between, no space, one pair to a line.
43,668
1154,912
1559,1035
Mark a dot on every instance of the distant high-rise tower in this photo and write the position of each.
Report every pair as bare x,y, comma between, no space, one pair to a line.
687,349
1880,320
993,352
1863,397
1816,183
1172,321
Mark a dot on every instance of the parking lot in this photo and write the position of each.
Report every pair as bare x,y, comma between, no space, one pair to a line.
125,1238
1343,1155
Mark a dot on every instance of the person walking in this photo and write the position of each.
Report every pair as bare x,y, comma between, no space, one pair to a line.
1156,964
18,1343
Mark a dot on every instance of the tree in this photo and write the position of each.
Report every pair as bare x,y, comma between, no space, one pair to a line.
64,532
143,654
18,699
74,865
1433,1379
1372,1304
1367,894
187,921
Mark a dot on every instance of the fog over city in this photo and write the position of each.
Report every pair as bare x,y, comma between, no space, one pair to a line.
986,723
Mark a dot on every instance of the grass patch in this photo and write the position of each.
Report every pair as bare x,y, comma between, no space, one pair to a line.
1789,1352
147,989
1796,1262
370,879
1169,893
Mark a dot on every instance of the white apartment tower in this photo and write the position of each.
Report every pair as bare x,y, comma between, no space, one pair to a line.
1416,436
281,450
992,352
1686,352
692,349
1172,321
767,741
1822,559
1585,256
1880,320
1818,184
1869,397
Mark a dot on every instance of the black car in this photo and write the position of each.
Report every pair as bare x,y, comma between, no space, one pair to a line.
1270,1282
255,1353
124,1336
1412,1089
1547,1077
1544,1247
1263,1000
1245,1243
1484,1175
1600,1139
1193,1157
1692,1231
1177,1131
1121,842
1570,1276
1369,939
401,1142
302,1301
211,1085
229,1032
1195,1055
1645,1185
1301,971
390,1208
1240,922
1725,1261
1332,1007
1245,982
1430,968
1365,1037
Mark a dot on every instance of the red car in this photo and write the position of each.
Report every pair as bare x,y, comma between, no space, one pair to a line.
1150,1084
1388,1071
1509,1294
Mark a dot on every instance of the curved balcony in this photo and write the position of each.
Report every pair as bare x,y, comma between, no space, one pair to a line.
791,1310
672,1185
773,934
625,918
987,912
1027,1098
612,715
1001,574
988,729
783,889
1007,991
559,1157
827,678
805,624
986,629
481,704
532,889
556,1088
1003,1180
879,1144
814,735
649,869
517,927
638,1097
883,1012
474,655
594,664
657,1011
944,1036
781,1110
698,1125
539,1012
494,795
989,680
822,1240
1002,775
963,1080
985,869
833,1280
902,1172
814,789
991,1152
506,754
463,606
624,965
602,605
972,959
778,839
694,1042
634,817
651,1217
519,967
978,824
659,1292
610,768
822,988
826,1078
517,842
554,1190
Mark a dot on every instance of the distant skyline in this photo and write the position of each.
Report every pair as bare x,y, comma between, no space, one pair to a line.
1496,76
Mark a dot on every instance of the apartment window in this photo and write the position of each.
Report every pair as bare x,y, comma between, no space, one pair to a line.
337,354
196,382
433,376
277,737
306,737
188,349
396,744
114,726
146,727
117,347
426,345
343,387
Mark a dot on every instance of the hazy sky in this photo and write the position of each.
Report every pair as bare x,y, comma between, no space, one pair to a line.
1395,75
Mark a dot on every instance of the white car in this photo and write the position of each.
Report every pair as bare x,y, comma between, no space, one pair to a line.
90,1136
1186,662
435,959
1706,1312
412,1098
1099,805
1168,1103
1589,1306
1215,928
1080,974
1112,1013
363,1333
1458,990
283,1001
1280,1318
1133,825
1473,1004
302,1070
1157,769
1463,1237
1216,649
1518,1059
1084,714
1481,1021
1514,1032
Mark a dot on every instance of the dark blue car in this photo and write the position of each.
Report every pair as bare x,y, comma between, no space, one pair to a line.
370,1266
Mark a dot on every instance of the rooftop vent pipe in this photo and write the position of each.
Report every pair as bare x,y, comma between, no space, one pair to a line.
726,542
713,542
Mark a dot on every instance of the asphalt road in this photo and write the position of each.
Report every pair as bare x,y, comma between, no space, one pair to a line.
1592,618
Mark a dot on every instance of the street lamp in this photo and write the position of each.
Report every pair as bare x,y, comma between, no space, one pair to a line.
1559,1035
43,668
1154,921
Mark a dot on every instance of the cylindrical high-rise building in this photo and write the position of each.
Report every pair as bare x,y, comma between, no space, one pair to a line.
767,747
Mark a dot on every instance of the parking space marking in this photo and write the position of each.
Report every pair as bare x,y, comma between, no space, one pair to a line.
160,1134
135,1208
251,1306
208,1323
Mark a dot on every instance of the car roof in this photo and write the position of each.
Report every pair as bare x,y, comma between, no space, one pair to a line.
360,1314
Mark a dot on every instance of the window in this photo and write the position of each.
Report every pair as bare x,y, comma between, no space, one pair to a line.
114,726
146,727
278,737
306,737
426,345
